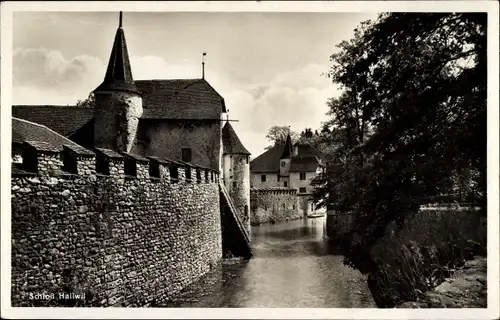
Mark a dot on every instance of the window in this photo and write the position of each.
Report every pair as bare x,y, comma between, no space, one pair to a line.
282,163
234,184
263,178
186,154
278,177
188,173
247,159
302,190
285,184
302,176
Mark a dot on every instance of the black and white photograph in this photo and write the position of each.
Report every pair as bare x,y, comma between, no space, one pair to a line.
255,159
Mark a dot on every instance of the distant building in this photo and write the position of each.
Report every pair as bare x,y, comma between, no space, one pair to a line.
288,166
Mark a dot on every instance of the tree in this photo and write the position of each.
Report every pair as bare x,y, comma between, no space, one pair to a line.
89,102
412,115
278,134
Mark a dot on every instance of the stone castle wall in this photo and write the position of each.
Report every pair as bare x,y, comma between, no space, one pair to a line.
273,204
166,138
120,240
237,182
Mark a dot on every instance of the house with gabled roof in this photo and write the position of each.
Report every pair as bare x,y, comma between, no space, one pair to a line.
288,165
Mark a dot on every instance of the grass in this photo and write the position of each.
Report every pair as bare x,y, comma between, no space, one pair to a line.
427,249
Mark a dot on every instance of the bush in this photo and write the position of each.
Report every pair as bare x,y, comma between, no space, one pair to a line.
417,257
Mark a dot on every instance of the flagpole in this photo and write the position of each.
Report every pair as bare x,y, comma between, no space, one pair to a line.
203,65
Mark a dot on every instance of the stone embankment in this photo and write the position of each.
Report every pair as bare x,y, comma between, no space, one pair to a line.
271,205
466,288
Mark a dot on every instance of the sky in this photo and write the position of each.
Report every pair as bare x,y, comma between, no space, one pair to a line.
269,67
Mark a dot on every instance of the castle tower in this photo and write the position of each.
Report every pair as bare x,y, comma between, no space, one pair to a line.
286,158
236,172
118,101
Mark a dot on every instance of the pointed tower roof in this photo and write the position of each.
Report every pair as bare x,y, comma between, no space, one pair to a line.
230,142
287,150
119,74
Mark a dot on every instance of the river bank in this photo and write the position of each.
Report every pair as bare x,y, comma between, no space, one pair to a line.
466,288
414,257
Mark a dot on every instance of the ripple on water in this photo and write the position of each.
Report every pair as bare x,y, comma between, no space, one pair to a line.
293,266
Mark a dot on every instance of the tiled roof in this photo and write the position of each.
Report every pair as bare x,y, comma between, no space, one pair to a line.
39,136
118,74
230,141
193,99
269,161
79,150
160,160
109,153
304,164
136,157
43,146
180,99
62,119
306,149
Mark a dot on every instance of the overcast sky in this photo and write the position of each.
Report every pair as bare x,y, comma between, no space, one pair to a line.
267,66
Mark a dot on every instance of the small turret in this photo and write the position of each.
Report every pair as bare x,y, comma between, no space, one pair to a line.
236,172
118,100
286,157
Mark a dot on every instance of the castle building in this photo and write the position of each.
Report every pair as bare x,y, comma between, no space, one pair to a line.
178,119
288,166
236,171
141,193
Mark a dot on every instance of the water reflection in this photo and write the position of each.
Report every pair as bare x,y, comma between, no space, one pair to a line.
293,266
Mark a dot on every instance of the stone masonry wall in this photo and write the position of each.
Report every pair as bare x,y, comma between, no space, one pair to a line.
296,183
271,205
119,241
238,186
167,138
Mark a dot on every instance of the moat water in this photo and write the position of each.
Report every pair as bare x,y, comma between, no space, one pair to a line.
293,266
